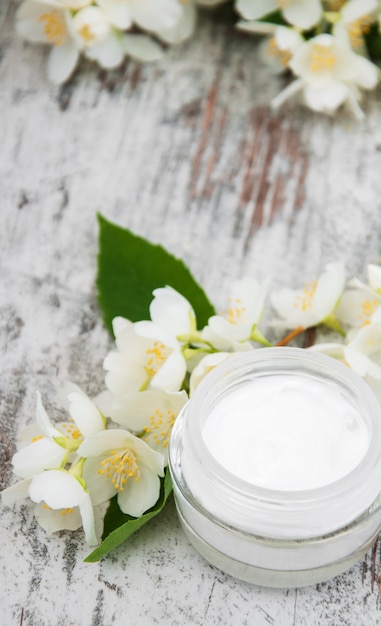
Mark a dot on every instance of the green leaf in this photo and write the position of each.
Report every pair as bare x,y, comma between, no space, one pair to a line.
373,42
118,527
130,268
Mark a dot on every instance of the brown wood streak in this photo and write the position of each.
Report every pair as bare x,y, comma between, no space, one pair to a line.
375,576
272,137
208,184
206,126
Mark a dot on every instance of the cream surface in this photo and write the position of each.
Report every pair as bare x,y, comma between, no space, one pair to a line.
286,432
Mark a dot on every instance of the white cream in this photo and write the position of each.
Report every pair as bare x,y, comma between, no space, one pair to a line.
286,432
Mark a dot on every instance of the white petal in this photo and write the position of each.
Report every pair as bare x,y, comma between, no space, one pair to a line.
253,26
255,9
357,361
206,365
335,350
43,454
57,488
43,421
154,15
357,306
62,62
367,73
354,9
171,375
139,496
183,28
326,98
118,13
148,457
288,38
154,331
142,48
304,14
227,331
101,443
54,520
85,414
123,373
374,276
329,289
287,93
98,485
120,324
109,52
134,410
171,311
16,493
87,514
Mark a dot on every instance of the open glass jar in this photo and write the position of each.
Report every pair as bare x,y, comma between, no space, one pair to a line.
295,497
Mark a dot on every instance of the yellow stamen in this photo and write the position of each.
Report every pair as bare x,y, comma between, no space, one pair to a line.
66,511
358,29
304,300
54,24
322,58
367,309
160,427
120,466
86,34
235,311
283,56
157,356
34,439
71,430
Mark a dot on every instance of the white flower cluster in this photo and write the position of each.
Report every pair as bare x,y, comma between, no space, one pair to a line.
118,443
104,30
322,43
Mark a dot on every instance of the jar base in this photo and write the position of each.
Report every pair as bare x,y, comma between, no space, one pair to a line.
271,578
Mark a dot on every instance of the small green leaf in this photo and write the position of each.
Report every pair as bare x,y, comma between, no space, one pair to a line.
130,268
373,42
118,527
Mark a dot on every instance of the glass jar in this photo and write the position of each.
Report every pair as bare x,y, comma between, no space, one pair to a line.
276,537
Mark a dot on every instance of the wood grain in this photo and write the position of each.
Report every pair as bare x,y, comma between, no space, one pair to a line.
186,153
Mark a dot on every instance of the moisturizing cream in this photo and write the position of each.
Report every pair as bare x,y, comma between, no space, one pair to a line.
276,465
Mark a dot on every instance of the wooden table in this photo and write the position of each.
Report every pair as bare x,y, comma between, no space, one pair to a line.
187,153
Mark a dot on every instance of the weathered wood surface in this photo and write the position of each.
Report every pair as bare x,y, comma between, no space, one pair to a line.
188,154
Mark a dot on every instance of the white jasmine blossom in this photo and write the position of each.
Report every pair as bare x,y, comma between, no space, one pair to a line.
354,20
206,365
303,14
147,357
277,50
312,305
51,22
329,74
60,490
238,324
151,414
359,303
363,352
172,312
51,446
99,40
119,463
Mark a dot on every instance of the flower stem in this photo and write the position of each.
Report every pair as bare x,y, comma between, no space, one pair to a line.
290,336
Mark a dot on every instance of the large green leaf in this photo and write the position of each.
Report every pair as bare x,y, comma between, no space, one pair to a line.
130,268
118,527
